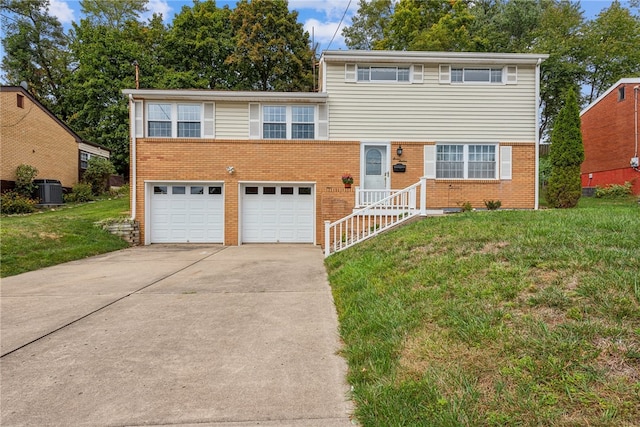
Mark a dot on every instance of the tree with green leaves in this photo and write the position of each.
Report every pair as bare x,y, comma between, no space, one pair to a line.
367,26
36,52
114,14
566,156
105,54
197,46
272,49
613,42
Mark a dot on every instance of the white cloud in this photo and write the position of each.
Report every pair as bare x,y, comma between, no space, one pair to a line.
323,31
160,7
61,10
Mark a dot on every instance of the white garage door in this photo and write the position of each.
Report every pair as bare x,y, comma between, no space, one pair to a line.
282,213
187,213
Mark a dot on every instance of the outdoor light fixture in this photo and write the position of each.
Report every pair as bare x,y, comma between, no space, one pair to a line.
231,169
399,150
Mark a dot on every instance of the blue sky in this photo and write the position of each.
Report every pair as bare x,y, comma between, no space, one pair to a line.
323,16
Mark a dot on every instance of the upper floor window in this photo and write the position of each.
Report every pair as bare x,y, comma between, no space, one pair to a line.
288,122
383,74
170,120
621,93
476,75
188,121
469,161
159,116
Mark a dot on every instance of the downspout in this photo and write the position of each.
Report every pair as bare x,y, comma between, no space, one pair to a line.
635,110
132,178
537,150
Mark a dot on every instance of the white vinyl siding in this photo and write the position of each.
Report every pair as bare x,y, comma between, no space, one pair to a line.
232,120
432,111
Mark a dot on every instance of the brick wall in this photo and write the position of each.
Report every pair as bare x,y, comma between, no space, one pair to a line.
321,162
30,136
608,132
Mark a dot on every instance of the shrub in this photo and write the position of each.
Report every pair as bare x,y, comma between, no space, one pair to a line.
97,174
24,180
465,206
81,192
492,205
13,202
614,191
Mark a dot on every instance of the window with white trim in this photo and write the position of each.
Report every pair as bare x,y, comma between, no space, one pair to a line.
188,121
180,120
476,75
288,121
159,120
466,161
371,73
84,159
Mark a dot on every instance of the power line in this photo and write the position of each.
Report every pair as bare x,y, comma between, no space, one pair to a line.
338,27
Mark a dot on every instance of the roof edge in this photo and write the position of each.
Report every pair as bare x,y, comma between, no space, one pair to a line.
50,114
430,56
217,95
627,80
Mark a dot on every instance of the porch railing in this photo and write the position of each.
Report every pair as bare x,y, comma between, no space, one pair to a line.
376,217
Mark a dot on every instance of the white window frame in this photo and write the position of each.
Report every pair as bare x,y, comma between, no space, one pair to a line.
491,71
289,120
508,74
174,118
84,158
465,159
360,69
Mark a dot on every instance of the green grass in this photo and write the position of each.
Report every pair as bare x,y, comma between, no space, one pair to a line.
503,318
30,242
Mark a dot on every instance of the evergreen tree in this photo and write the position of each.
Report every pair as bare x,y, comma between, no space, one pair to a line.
566,156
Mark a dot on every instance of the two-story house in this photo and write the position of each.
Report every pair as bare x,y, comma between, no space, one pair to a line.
237,167
610,137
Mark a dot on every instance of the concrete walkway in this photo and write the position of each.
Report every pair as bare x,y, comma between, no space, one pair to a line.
174,335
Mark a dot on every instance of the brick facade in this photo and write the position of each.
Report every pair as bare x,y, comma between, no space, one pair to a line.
608,133
319,162
31,136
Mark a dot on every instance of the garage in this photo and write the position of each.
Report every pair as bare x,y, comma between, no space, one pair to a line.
277,213
186,213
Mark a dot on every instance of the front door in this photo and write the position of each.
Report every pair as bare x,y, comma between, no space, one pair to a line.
375,167
375,180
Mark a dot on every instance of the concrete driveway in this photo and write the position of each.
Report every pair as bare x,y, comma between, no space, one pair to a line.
174,335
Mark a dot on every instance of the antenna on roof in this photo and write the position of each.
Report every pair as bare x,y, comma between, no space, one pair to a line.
135,64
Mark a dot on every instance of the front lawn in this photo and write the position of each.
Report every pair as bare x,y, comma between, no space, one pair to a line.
496,318
30,242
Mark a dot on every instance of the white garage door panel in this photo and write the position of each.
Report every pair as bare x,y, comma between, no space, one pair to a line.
280,213
186,213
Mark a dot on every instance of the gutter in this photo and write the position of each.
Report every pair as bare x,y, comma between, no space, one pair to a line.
133,177
537,163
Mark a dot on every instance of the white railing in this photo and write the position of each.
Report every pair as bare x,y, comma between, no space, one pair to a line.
369,197
387,212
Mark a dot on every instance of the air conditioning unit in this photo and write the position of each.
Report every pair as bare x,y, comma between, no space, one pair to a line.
634,162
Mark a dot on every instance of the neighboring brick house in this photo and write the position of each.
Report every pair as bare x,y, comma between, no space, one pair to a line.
236,167
31,134
610,136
